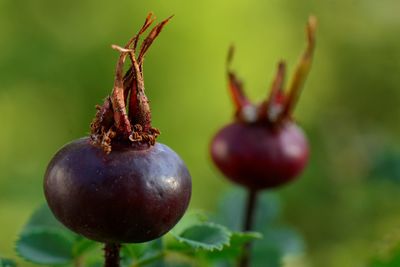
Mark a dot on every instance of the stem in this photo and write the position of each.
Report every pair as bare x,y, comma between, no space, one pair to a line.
248,225
111,255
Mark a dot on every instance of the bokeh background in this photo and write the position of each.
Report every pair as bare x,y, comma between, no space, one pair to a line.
56,64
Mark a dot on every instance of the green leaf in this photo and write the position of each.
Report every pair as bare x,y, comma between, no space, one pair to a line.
191,218
237,242
7,263
44,240
205,236
43,218
48,246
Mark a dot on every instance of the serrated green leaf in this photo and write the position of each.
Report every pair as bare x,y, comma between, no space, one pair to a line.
189,219
45,246
7,263
234,250
43,218
205,236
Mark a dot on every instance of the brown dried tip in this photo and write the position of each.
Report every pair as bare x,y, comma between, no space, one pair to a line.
112,120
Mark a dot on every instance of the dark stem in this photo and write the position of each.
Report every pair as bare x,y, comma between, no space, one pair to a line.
111,255
248,225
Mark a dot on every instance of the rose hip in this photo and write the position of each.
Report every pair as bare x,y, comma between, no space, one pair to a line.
264,148
119,185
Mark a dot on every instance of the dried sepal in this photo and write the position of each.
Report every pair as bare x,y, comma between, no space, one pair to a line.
147,23
129,76
150,38
138,135
302,69
272,107
278,106
112,119
235,86
102,126
121,120
139,108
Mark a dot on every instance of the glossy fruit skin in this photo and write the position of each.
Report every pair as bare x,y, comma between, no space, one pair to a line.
134,194
259,156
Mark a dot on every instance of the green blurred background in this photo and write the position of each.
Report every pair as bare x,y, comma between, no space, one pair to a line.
56,64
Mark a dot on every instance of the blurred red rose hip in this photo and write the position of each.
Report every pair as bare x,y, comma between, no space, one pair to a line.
263,147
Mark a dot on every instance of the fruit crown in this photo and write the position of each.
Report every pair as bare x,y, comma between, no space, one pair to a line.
279,105
112,120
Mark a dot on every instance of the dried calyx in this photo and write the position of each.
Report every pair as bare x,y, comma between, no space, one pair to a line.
113,122
278,106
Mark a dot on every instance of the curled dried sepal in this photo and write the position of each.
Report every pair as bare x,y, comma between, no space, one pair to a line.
112,120
102,123
138,135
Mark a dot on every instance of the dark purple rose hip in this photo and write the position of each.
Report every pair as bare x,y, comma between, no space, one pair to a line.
133,194
119,185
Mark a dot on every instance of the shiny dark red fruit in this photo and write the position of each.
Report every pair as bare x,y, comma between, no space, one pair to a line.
136,193
258,156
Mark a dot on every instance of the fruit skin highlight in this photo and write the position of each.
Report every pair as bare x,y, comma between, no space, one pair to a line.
264,148
119,185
